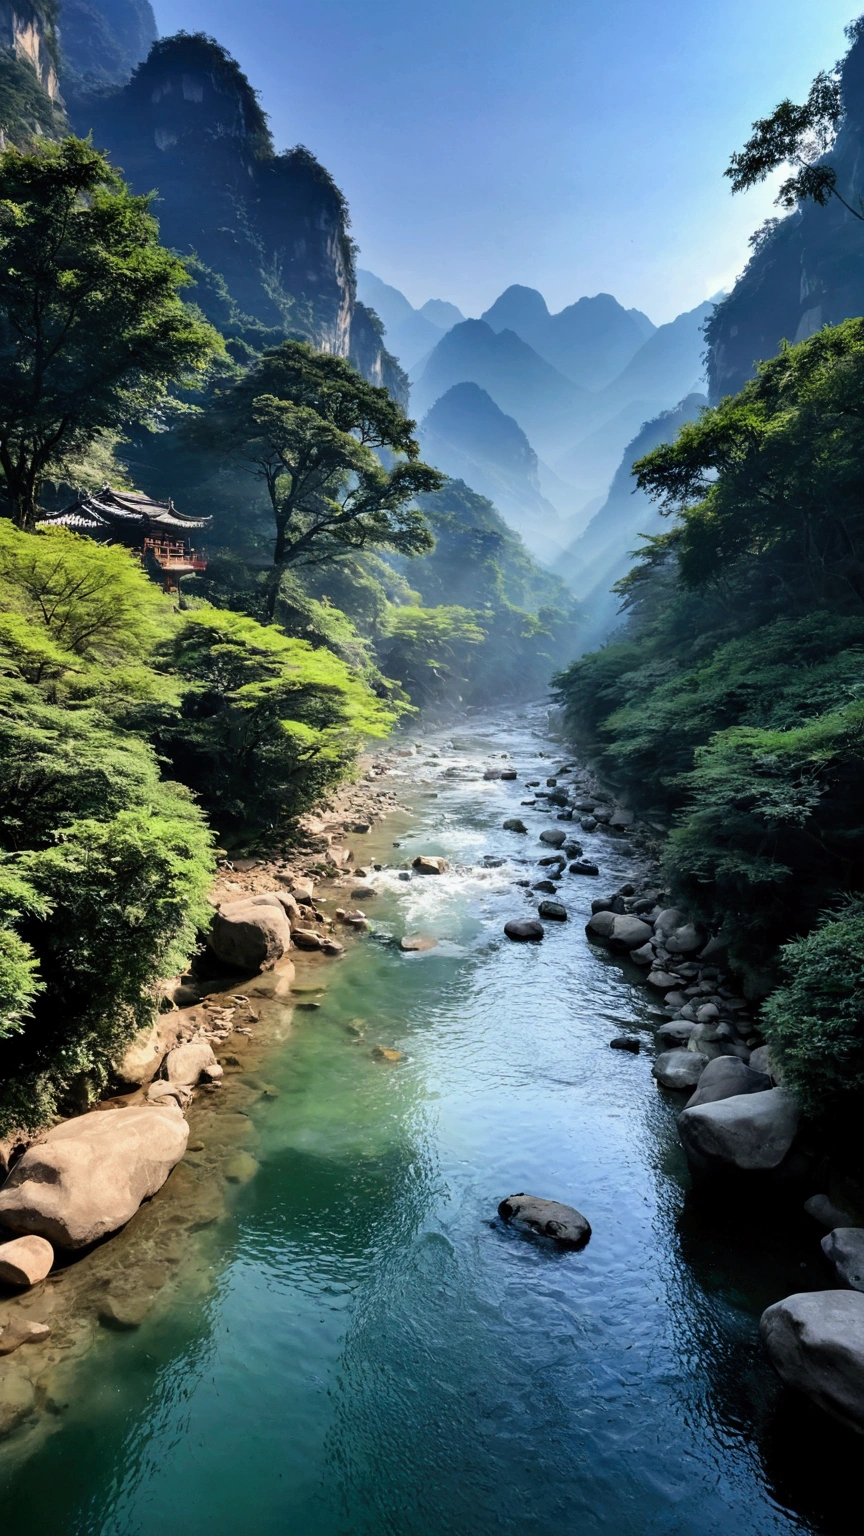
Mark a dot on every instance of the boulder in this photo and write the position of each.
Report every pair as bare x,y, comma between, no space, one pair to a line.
661,980
547,886
508,773
815,1341
844,1250
425,864
88,1176
250,935
583,867
669,919
143,1055
751,1131
676,1033
417,943
621,820
553,910
724,1078
707,1014
546,1218
600,925
524,930
642,956
684,940
310,938
679,1069
333,948
554,837
514,824
188,1062
825,1211
290,906
704,1038
363,892
760,1061
625,1043
628,932
25,1261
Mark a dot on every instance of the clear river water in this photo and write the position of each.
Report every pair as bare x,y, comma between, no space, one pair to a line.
356,1346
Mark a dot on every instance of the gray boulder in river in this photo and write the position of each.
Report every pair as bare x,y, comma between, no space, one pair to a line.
524,930
750,1131
680,1069
546,1218
629,932
844,1250
724,1078
88,1176
250,934
815,1341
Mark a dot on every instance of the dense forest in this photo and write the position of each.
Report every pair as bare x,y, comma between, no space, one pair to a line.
728,707
347,583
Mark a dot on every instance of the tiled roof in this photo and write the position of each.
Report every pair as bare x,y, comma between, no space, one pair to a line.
109,509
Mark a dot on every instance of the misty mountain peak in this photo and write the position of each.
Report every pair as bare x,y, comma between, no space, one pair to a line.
517,309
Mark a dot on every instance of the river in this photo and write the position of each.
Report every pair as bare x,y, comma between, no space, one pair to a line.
357,1346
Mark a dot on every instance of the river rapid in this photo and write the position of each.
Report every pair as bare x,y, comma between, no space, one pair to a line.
349,1342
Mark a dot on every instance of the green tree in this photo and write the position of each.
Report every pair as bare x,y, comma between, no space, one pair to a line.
313,431
799,136
429,651
92,327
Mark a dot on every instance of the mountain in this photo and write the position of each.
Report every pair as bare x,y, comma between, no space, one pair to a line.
589,341
268,232
806,270
441,313
522,384
411,333
30,103
469,438
601,555
101,41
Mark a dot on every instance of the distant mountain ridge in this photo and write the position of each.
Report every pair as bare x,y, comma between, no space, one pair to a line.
469,438
411,333
589,341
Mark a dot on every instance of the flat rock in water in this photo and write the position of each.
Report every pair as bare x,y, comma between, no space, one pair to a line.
417,942
844,1250
679,1069
426,864
25,1261
523,930
306,938
88,1176
583,867
546,1218
815,1341
626,1043
385,1053
553,910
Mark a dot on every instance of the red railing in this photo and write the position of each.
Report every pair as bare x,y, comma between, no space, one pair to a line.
175,555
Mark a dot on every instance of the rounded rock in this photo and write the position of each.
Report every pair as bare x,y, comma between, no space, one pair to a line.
25,1261
524,931
546,1218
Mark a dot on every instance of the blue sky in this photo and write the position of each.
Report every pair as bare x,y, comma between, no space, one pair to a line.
572,145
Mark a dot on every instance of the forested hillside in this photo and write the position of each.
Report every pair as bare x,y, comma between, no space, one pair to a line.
345,583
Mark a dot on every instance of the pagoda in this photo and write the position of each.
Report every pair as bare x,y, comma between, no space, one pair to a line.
155,528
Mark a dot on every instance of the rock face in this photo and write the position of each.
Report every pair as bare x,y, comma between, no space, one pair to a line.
88,1176
425,864
815,1341
25,1261
679,1069
546,1218
750,1131
844,1250
724,1078
250,935
524,931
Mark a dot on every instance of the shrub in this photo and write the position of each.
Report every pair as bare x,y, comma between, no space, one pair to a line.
814,1022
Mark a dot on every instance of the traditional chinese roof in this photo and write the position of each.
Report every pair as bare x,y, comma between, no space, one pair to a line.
122,514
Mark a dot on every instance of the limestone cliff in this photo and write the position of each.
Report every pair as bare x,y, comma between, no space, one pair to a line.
806,271
101,41
28,35
274,226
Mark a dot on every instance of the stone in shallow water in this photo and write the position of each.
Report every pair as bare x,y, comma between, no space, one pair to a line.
553,910
385,1053
417,942
625,1043
546,1218
750,1131
844,1250
679,1069
22,1330
25,1261
523,930
553,837
425,864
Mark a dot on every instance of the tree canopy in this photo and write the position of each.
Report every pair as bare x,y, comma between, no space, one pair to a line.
93,330
308,426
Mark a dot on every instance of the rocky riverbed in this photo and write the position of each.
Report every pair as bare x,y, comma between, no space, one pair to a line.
430,891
